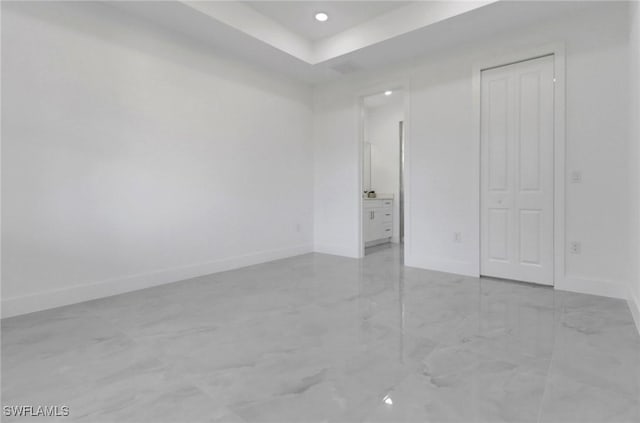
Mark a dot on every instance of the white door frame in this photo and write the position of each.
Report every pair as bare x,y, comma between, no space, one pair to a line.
394,84
558,52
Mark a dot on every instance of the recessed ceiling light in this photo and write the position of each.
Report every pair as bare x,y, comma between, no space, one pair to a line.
321,17
388,92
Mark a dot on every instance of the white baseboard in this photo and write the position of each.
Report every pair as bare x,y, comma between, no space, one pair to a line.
634,306
603,288
15,306
442,265
335,250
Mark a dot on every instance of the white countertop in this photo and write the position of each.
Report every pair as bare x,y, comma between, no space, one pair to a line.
380,197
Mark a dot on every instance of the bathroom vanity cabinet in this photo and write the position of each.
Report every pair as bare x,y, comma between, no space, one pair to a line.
377,221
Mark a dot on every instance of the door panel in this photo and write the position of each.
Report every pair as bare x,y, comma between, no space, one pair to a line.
498,234
529,132
530,230
498,129
517,171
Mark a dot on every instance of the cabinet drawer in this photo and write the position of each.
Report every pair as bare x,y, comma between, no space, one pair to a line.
370,204
387,231
387,203
387,216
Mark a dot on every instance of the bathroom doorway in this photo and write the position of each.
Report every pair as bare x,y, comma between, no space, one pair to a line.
383,117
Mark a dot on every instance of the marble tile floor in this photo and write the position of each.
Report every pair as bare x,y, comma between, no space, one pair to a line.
320,338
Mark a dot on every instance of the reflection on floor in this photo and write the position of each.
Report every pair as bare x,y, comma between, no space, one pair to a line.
384,247
325,338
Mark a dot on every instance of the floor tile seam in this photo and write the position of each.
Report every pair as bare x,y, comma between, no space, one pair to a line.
545,391
556,329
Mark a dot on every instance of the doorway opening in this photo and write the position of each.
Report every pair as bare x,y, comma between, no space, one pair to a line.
382,138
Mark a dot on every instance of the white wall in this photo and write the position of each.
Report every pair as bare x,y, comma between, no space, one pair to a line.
383,133
132,157
634,159
442,166
336,187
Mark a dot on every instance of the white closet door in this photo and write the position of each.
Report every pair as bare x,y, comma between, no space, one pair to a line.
517,171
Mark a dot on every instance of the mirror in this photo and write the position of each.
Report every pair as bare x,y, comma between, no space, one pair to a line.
366,168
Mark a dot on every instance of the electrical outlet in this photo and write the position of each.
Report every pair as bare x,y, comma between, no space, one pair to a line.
457,237
575,247
576,177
